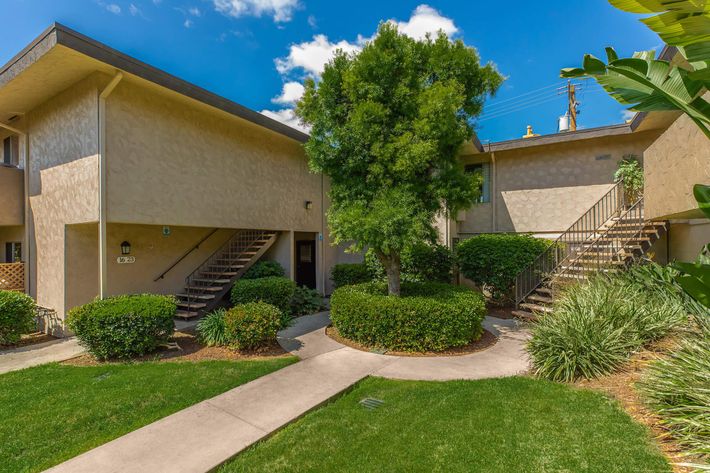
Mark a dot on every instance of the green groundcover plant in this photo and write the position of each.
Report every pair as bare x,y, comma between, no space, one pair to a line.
306,301
427,316
17,311
595,327
123,326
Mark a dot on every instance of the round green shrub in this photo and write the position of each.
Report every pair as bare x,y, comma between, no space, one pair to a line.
273,290
124,326
249,326
17,312
345,274
264,269
426,317
306,301
494,260
422,262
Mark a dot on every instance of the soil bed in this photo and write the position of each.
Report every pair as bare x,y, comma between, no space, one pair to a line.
486,340
192,350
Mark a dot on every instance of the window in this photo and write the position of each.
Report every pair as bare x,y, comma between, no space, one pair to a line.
13,252
483,170
10,151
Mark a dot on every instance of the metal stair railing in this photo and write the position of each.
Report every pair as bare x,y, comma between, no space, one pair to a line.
602,253
585,229
233,249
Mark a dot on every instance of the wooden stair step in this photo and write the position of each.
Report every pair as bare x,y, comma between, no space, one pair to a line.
218,273
536,307
204,288
544,290
211,280
186,314
202,297
192,305
539,298
525,315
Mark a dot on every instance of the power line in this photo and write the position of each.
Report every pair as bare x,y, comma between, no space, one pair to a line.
518,107
498,102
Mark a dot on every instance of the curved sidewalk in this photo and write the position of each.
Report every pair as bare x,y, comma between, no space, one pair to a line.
201,437
507,357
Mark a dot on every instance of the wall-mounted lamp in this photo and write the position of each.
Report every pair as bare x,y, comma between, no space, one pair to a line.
125,248
308,205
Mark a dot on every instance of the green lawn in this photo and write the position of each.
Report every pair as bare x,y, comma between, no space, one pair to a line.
51,413
502,425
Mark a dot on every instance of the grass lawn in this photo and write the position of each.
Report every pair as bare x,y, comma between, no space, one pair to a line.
500,425
52,412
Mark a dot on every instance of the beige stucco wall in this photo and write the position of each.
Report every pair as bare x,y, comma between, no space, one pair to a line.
687,239
12,190
63,183
170,162
676,161
545,189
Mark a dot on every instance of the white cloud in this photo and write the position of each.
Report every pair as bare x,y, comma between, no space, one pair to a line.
627,115
312,56
188,23
312,22
280,10
290,94
194,11
113,8
425,20
288,117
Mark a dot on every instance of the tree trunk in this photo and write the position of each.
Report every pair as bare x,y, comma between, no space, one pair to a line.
392,268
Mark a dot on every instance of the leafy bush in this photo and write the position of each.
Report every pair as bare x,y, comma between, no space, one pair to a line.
249,326
594,327
345,274
273,290
676,388
17,311
123,326
306,301
427,316
420,263
630,171
211,329
264,269
492,261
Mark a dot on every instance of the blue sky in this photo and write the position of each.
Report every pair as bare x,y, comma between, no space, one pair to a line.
256,52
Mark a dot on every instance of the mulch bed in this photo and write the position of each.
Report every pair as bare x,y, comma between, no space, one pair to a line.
30,339
487,340
620,386
192,350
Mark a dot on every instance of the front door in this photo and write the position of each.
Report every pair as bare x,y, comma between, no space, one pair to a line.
306,263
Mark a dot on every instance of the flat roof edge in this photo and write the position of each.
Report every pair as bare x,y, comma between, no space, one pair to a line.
565,137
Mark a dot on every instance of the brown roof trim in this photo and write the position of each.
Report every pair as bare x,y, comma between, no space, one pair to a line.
60,34
585,134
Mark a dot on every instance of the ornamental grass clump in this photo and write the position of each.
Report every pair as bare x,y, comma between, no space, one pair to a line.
595,327
212,330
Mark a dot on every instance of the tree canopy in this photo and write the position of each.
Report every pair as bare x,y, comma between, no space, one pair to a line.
387,124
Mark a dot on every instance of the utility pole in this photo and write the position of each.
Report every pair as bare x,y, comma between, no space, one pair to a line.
571,90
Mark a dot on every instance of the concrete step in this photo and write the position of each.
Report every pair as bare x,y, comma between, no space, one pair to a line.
525,315
544,290
202,297
218,273
204,288
192,305
539,298
212,280
536,307
186,314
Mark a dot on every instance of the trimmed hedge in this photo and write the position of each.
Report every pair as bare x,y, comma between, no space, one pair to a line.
17,312
422,262
124,326
494,260
345,274
249,326
426,317
273,290
264,269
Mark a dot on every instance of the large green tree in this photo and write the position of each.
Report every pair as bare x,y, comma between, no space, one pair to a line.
387,124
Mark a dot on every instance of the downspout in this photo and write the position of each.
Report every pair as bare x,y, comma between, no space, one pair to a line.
26,178
103,251
494,177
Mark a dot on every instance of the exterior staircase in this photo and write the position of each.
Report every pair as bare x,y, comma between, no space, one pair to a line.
208,284
607,238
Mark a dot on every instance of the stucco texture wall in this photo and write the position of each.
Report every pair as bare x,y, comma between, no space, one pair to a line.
545,189
687,239
12,210
173,162
63,183
676,161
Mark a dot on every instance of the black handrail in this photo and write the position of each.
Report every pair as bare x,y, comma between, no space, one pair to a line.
187,253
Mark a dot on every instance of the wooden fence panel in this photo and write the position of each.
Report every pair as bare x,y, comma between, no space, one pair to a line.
12,277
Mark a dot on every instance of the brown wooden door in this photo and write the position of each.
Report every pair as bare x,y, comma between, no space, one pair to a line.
306,263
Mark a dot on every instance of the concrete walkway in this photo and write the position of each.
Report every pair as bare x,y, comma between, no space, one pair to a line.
203,436
33,355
